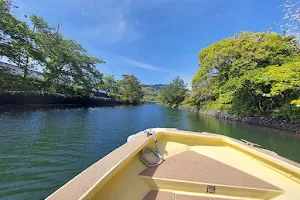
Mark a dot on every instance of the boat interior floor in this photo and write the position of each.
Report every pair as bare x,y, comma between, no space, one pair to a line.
198,170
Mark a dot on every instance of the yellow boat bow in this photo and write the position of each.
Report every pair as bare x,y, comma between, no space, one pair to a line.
195,166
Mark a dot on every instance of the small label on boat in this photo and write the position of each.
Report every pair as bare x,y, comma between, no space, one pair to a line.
211,189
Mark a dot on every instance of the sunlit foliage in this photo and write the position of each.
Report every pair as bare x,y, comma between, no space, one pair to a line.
66,65
174,93
250,74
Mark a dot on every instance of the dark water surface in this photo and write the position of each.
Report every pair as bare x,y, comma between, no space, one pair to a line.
40,150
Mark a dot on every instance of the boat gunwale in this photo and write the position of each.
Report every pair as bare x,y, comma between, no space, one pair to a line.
115,169
84,195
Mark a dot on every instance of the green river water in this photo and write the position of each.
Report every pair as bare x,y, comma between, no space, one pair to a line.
41,149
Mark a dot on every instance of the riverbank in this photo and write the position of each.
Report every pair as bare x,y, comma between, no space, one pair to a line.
260,121
44,98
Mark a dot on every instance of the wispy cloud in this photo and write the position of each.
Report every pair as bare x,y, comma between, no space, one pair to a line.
169,74
104,22
110,22
113,25
114,30
142,65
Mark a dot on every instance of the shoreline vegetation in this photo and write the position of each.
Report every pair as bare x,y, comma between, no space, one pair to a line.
250,74
247,76
280,124
43,61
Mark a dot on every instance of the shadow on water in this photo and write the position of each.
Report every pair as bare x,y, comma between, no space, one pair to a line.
44,147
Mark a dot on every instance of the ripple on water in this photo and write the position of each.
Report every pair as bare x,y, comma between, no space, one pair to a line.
43,149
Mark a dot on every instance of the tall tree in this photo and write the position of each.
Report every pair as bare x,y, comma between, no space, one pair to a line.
131,88
66,62
175,92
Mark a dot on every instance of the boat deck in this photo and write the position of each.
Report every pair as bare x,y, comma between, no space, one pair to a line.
197,166
193,172
194,167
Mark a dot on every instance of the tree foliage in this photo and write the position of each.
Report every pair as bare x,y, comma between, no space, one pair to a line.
16,39
131,89
66,65
110,84
174,93
249,74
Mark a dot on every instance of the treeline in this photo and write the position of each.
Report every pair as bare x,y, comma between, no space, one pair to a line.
249,74
66,66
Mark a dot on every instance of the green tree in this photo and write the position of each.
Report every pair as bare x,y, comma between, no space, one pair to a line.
174,93
16,39
65,61
9,29
67,67
277,89
110,84
248,74
131,89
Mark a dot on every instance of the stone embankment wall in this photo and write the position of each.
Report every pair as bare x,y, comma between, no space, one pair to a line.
39,98
261,121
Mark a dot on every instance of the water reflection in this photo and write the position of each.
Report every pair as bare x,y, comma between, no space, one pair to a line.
282,142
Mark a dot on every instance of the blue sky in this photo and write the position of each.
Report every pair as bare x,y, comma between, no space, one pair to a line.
155,40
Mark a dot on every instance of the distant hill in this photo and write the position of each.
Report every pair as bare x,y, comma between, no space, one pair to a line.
152,91
155,87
